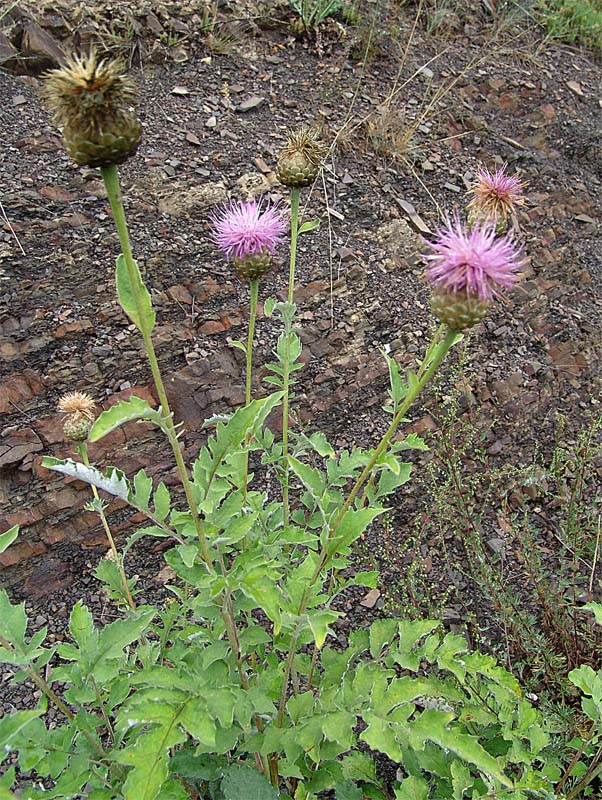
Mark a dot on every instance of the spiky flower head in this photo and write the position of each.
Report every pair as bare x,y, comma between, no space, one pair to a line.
80,411
470,267
300,159
91,101
248,233
496,196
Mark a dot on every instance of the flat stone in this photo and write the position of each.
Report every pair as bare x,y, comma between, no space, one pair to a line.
40,49
8,54
250,103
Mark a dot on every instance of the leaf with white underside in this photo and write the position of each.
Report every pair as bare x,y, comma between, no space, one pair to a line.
113,481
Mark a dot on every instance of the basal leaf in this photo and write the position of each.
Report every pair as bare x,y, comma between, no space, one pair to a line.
434,726
148,757
412,788
143,317
247,783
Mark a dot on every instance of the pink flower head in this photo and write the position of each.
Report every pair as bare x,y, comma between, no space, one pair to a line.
473,261
248,229
496,193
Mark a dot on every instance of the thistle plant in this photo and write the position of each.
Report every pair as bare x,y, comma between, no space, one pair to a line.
232,690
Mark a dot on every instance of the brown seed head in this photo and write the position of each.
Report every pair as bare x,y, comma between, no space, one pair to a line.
91,101
77,403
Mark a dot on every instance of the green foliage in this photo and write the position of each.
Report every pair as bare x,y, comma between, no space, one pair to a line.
572,21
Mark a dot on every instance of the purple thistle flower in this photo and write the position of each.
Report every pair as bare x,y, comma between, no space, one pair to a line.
473,261
247,229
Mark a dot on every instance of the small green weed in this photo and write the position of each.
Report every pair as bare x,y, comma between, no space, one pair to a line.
573,21
312,12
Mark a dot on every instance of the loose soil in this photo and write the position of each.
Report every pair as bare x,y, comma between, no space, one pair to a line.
215,104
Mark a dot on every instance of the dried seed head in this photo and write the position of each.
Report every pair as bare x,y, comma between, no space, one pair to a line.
81,411
91,101
300,159
77,403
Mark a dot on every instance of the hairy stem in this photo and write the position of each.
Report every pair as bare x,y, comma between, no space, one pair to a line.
83,450
58,702
110,177
254,288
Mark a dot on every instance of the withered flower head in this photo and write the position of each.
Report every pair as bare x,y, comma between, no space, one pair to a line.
91,101
80,412
300,159
496,196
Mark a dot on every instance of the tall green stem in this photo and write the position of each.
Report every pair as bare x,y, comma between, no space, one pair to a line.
110,177
254,288
295,195
437,354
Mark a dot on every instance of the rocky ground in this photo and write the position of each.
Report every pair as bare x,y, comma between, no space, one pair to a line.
217,96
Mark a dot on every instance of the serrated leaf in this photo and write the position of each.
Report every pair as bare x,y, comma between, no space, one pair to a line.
125,411
8,537
412,788
148,757
268,306
321,445
319,622
143,318
113,481
310,477
13,624
247,783
229,437
434,726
